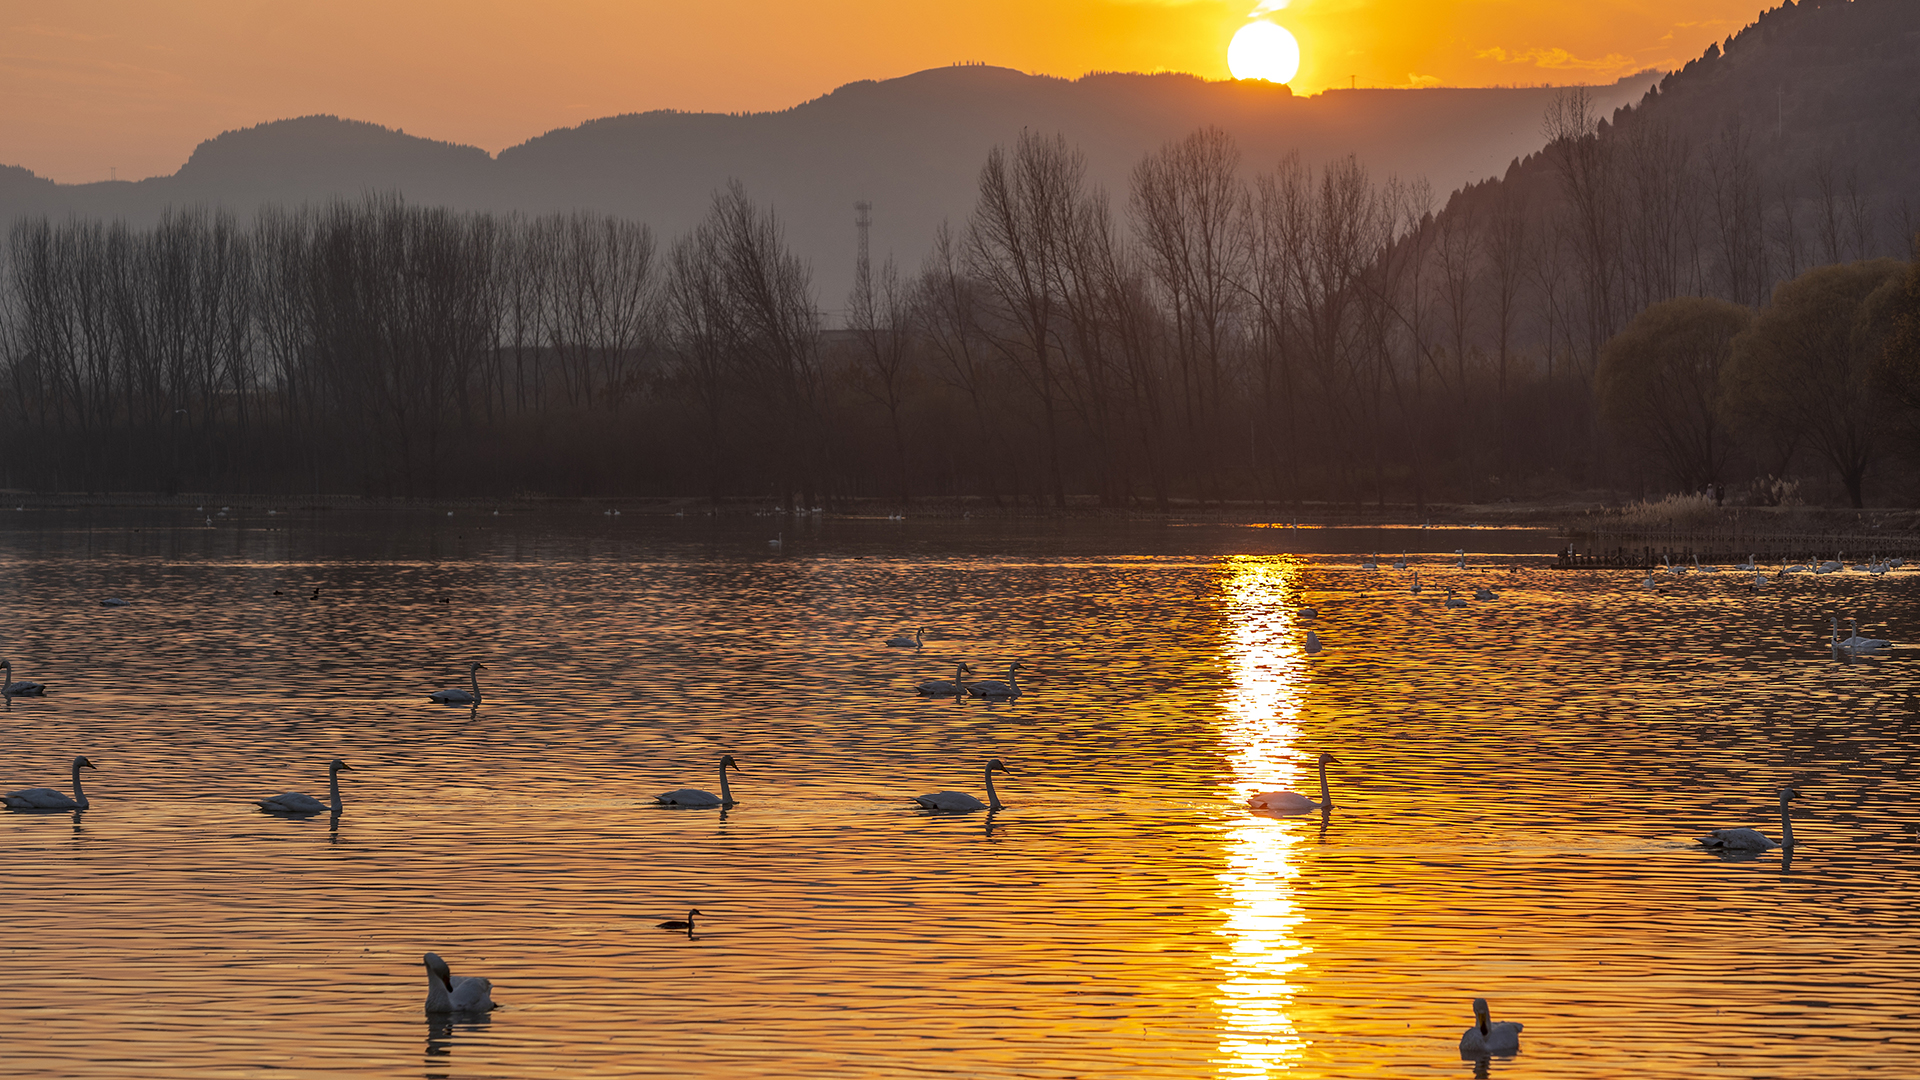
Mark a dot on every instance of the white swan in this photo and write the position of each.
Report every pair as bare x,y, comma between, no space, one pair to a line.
943,688
1747,567
457,696
1831,566
1292,802
1461,555
960,800
778,542
1648,583
46,798
1704,569
1753,839
904,642
445,993
1486,1038
1454,601
1484,593
1401,562
1367,562
1861,644
294,802
696,797
23,688
994,688
1416,582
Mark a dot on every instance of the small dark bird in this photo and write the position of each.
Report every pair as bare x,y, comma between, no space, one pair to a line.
277,592
316,593
682,924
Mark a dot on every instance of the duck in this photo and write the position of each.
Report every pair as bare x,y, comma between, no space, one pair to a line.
994,688
23,688
904,642
960,801
457,696
43,798
697,798
945,688
1753,839
1292,802
448,993
681,924
1486,1038
294,802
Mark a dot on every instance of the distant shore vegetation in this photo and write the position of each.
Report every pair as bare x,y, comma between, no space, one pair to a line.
1306,332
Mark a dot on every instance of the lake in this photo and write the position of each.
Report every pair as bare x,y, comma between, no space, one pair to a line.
1518,787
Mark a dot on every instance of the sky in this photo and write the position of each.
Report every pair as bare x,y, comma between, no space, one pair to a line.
92,89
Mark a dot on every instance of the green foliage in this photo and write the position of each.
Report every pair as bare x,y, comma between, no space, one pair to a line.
1659,384
1807,367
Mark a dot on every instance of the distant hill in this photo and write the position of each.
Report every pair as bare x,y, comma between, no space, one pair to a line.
912,146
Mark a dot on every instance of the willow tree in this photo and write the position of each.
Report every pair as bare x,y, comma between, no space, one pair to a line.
1808,365
1659,384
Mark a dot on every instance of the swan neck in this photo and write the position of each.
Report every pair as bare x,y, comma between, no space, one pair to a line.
79,793
473,679
726,793
333,789
993,797
1326,797
1786,823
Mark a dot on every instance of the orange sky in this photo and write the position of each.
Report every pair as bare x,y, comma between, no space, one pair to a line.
90,85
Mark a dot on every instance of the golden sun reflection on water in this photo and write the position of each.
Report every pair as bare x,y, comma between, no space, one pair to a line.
1261,916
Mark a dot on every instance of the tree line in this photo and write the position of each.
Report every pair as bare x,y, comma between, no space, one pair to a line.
1216,332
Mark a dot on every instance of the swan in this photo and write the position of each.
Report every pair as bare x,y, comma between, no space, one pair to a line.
778,542
994,688
457,696
1857,643
113,601
1367,563
1830,566
1308,614
1796,568
1648,583
468,993
1486,1038
1401,562
46,798
1484,593
293,802
943,688
1753,839
1454,601
1313,643
1704,569
1292,802
904,642
960,800
1747,567
1759,580
681,924
23,688
1461,554
696,797
1416,582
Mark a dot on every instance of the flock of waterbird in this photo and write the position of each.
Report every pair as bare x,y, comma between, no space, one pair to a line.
448,993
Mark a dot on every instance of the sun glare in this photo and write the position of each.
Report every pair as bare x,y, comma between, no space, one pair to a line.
1263,50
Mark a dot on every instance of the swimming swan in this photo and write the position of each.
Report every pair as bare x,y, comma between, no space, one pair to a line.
294,802
696,797
1292,802
960,800
1454,601
1484,593
468,993
1753,839
1486,1038
1857,643
903,642
23,688
964,802
943,688
46,798
457,696
994,688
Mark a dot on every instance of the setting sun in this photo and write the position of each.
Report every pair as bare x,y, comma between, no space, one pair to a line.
1263,50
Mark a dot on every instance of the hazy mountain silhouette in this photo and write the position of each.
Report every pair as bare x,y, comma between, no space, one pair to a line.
913,146
1819,86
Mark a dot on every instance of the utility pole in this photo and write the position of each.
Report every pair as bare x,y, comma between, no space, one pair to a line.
862,220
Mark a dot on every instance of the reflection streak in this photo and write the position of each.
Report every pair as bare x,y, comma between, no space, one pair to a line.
1260,917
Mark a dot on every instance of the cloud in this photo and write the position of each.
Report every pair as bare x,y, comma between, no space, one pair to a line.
1267,7
1415,82
1558,60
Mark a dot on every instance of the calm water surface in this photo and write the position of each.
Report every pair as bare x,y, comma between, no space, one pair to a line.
1517,790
